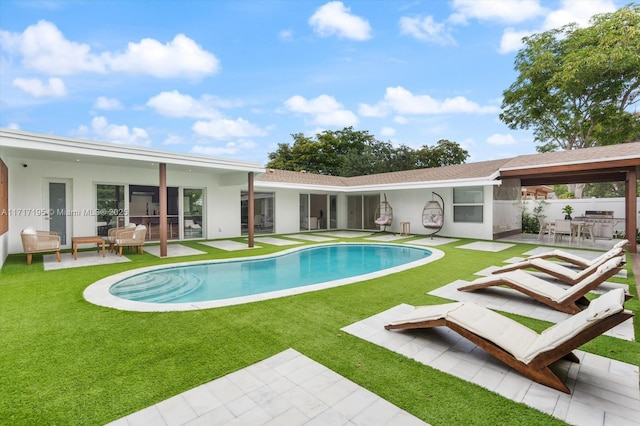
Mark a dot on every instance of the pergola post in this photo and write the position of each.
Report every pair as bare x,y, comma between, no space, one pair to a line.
631,211
162,198
250,210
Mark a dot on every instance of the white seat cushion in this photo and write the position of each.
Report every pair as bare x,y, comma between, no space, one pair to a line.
427,313
510,335
604,306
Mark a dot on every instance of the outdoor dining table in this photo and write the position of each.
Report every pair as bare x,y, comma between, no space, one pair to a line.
578,228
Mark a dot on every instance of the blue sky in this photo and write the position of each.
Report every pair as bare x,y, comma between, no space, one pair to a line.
232,79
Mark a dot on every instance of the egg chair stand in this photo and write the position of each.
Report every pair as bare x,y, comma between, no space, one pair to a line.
433,215
384,214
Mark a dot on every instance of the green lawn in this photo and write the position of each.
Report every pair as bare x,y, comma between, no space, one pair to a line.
66,361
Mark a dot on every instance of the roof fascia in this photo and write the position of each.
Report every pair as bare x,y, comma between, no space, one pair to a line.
580,164
32,141
377,187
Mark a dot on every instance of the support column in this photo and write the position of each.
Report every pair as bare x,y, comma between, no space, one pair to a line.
250,210
162,199
630,208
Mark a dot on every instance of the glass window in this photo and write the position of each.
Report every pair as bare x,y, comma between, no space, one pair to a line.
304,212
110,208
144,208
193,202
263,212
468,204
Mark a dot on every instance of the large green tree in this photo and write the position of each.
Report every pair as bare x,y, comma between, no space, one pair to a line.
348,152
576,86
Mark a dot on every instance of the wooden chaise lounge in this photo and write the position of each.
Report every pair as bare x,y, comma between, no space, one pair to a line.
558,271
518,346
571,300
576,260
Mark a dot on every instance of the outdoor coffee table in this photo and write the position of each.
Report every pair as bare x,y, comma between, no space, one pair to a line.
86,240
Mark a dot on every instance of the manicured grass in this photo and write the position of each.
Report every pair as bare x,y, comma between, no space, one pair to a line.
66,361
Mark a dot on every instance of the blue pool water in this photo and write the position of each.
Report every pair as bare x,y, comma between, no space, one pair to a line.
229,279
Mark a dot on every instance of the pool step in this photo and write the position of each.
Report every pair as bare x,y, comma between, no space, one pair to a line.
157,288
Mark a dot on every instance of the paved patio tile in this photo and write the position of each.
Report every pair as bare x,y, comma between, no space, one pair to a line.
486,246
435,241
85,258
310,237
286,389
277,241
228,245
174,250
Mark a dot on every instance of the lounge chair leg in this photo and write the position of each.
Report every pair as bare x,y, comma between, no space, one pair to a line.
29,258
120,251
58,256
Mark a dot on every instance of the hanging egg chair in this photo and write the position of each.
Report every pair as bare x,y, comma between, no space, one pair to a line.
384,214
433,215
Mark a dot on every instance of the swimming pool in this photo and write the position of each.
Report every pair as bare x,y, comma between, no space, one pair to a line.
199,285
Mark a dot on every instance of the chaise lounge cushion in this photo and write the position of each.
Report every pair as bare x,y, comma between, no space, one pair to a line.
510,335
427,313
606,305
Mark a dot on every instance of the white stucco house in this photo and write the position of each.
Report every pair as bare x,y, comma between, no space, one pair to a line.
83,188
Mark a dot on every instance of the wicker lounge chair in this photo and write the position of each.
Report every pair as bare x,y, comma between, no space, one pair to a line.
131,238
518,346
575,259
571,300
558,271
39,242
111,234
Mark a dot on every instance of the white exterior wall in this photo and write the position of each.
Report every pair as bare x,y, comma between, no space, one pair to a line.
26,189
287,210
408,204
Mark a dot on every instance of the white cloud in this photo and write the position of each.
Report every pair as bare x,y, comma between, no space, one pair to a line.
225,129
175,104
13,126
230,148
286,35
366,110
179,57
324,110
44,48
426,29
577,11
510,12
498,139
400,119
334,18
388,131
401,101
108,104
173,140
119,134
53,88
512,40
572,11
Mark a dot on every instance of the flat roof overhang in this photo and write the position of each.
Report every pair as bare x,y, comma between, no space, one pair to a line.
27,145
588,172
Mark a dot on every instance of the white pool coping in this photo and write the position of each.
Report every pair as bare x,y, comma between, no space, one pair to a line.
98,292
